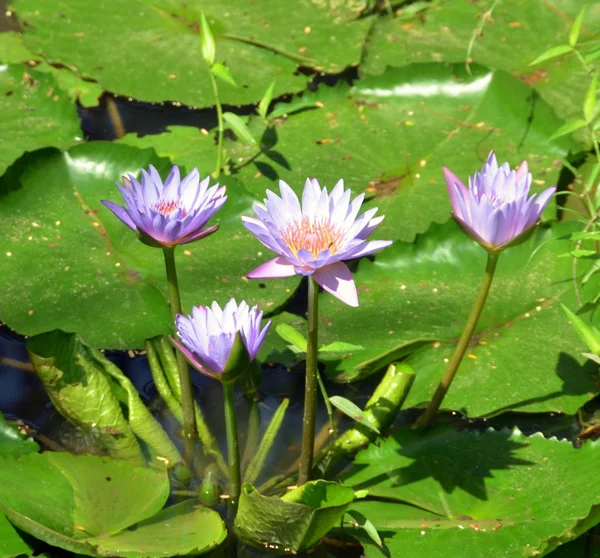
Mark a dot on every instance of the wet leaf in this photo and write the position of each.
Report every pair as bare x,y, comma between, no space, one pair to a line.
424,291
119,283
65,499
34,113
475,494
353,411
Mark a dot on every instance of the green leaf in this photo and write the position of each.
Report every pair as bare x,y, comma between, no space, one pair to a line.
81,392
34,113
340,347
296,521
516,30
433,112
11,543
239,127
569,127
184,145
87,93
172,532
353,411
263,105
13,49
589,103
292,336
119,283
576,27
64,499
475,494
222,72
13,442
589,334
207,41
163,61
553,52
142,421
364,523
424,291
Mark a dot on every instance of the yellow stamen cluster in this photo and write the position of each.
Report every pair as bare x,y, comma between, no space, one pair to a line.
312,236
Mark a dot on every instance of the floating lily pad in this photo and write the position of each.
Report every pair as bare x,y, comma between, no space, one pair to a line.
106,285
34,113
475,494
162,59
181,530
528,356
64,499
510,39
11,543
389,136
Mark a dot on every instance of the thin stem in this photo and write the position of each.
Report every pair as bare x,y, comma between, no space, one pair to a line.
233,450
429,416
310,391
190,432
215,88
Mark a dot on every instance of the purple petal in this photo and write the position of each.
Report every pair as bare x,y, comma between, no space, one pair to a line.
337,280
121,213
191,358
198,234
368,248
277,267
453,182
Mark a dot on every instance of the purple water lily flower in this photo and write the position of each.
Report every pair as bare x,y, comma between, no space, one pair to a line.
314,238
171,213
495,210
207,335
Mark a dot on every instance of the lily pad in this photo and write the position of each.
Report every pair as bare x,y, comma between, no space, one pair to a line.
294,522
475,494
388,136
509,40
11,543
528,356
181,530
162,59
63,234
34,113
64,499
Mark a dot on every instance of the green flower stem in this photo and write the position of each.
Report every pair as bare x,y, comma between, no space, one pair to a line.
215,88
190,432
428,416
233,450
169,363
310,392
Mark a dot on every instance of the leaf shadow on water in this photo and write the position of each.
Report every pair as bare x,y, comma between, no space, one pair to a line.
577,379
450,458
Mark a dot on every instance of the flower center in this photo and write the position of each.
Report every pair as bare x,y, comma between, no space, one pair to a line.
166,207
312,236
